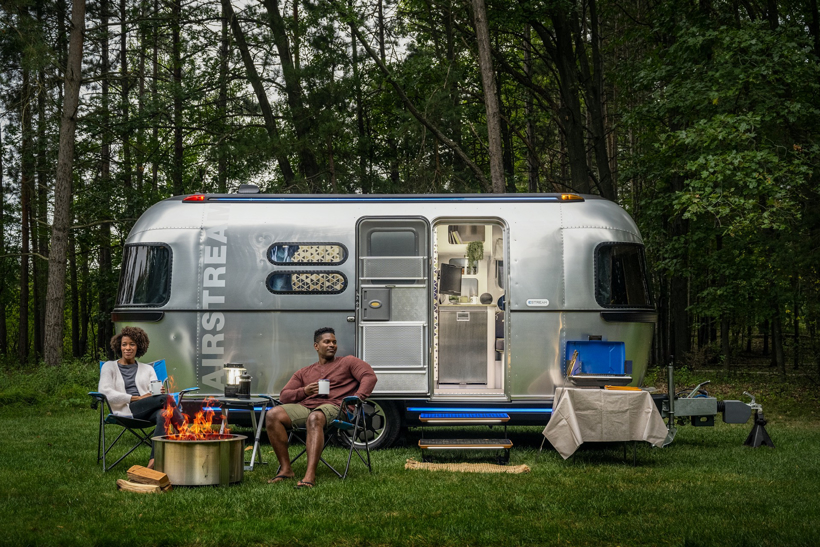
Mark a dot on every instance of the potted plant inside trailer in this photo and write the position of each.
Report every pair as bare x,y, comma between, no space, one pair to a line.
475,253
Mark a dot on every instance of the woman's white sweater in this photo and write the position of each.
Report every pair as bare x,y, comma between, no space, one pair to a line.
112,385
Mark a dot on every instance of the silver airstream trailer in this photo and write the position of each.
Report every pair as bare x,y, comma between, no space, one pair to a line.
459,302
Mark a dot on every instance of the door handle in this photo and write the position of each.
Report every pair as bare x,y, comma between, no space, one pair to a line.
351,319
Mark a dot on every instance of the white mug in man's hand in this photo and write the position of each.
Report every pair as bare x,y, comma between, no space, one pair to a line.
324,387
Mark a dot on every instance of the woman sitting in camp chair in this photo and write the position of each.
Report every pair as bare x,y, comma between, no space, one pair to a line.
127,383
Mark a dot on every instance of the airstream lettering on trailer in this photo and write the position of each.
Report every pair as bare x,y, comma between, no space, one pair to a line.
457,301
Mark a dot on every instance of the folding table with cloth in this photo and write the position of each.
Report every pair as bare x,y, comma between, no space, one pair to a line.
582,415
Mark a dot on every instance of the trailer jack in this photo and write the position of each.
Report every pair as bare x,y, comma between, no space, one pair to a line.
758,435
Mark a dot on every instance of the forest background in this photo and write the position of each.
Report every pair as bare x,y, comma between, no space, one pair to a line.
700,118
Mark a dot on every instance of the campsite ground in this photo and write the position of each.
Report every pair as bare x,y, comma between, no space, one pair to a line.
705,489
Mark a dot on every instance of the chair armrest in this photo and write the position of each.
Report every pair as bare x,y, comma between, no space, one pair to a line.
182,393
97,398
351,400
273,402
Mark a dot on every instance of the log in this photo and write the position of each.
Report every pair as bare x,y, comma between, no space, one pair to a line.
143,475
129,486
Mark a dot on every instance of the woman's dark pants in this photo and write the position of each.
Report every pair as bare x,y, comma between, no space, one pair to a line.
150,409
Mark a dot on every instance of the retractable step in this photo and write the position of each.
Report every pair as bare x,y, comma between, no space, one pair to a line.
463,418
430,446
465,444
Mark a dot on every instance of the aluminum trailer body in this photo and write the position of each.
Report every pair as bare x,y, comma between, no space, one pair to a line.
247,278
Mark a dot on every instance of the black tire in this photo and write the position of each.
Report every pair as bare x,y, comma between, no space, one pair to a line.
385,422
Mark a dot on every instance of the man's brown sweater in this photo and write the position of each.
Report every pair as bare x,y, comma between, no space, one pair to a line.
348,375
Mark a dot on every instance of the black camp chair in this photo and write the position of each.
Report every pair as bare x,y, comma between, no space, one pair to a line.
136,427
351,426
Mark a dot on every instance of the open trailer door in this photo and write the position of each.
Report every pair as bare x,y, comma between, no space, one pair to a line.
394,300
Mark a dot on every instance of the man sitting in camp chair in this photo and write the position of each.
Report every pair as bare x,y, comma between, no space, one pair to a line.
303,406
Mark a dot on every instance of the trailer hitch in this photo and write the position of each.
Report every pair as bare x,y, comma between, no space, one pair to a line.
758,436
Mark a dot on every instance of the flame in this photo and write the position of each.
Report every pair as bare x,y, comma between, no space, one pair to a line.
198,429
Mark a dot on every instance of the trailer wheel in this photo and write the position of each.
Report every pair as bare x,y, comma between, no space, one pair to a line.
383,426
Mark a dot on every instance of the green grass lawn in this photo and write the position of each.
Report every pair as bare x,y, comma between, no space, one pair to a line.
705,489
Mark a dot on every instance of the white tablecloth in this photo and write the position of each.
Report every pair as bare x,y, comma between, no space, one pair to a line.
601,415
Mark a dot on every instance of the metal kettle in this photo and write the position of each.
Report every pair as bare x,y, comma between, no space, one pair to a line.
244,391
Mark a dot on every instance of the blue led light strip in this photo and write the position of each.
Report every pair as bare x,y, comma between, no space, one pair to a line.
478,409
219,409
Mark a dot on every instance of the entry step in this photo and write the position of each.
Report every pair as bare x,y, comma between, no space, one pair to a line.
465,418
465,444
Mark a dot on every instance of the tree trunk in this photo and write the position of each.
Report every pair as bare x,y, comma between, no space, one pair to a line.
124,89
296,35
85,298
140,130
55,299
75,295
176,53
303,120
155,124
264,104
796,330
105,329
25,183
725,346
485,63
222,102
3,272
814,26
532,162
361,142
777,340
39,218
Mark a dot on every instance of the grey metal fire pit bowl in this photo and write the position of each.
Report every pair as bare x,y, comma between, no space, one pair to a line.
201,463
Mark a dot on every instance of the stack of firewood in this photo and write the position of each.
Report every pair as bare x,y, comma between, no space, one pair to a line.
144,481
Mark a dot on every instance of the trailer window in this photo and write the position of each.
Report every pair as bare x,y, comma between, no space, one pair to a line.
393,242
620,276
306,282
145,277
320,254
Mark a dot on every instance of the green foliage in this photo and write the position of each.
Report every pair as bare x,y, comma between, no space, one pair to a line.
46,387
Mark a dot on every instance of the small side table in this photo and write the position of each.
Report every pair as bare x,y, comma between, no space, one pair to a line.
599,415
234,403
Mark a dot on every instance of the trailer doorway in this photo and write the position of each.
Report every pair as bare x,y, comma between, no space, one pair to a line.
469,319
393,304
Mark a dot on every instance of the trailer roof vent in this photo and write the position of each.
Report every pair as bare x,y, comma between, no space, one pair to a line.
248,189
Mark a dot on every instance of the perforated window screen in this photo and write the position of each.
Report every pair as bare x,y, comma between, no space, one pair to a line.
319,254
306,282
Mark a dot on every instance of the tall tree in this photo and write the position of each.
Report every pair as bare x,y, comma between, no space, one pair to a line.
26,175
55,299
491,106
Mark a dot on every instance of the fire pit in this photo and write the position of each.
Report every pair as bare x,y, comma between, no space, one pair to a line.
218,460
196,455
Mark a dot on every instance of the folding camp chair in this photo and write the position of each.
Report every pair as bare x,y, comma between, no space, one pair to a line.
132,425
351,426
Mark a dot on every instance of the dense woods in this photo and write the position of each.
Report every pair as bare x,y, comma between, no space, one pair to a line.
700,118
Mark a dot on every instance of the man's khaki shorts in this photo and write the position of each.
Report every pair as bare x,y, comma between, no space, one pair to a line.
298,414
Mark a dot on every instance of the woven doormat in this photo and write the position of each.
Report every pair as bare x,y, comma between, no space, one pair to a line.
467,467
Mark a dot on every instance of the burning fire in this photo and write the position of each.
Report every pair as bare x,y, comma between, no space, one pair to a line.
198,429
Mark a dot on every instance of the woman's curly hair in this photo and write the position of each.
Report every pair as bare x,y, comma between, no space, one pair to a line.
134,333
